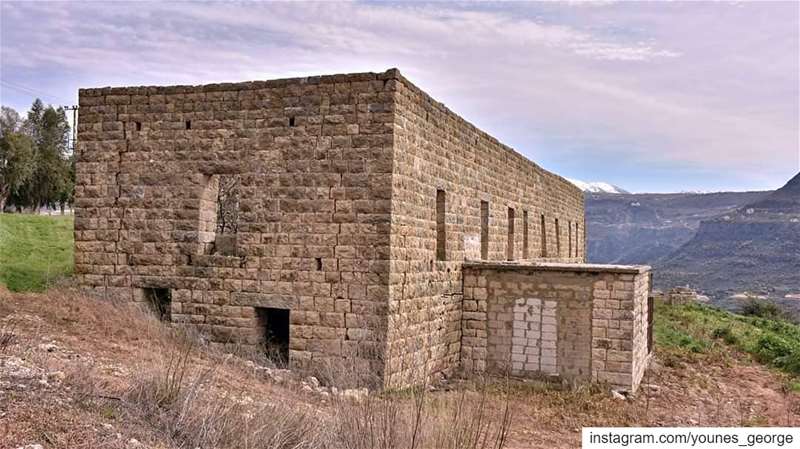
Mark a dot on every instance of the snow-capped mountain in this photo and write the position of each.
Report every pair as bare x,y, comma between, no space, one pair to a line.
597,187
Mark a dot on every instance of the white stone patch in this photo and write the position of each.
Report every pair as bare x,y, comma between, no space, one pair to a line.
535,336
472,247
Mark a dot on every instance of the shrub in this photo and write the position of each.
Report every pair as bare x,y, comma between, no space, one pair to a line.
725,334
763,309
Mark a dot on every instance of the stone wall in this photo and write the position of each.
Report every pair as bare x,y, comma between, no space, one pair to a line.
315,160
436,150
578,322
338,178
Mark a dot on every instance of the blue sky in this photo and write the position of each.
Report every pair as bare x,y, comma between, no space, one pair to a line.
652,97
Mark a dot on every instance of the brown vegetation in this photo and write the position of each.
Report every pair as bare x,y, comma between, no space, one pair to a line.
78,372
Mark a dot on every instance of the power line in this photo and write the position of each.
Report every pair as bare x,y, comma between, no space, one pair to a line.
34,92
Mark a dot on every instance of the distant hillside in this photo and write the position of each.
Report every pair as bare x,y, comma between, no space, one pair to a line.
755,247
643,228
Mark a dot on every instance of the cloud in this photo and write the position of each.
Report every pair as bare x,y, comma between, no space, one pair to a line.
706,86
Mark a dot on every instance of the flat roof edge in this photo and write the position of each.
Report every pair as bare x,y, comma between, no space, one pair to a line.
392,73
553,266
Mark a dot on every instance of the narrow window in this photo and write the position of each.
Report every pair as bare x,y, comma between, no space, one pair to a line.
569,227
291,121
319,264
160,300
227,214
484,230
138,126
558,240
577,241
544,237
441,234
510,249
188,124
524,234
274,326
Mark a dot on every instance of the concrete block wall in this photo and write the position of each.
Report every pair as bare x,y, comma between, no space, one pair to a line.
579,322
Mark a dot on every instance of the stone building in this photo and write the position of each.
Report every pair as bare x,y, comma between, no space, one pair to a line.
347,217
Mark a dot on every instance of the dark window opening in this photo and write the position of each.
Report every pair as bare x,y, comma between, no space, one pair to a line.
138,126
484,230
544,237
558,240
188,124
274,324
441,233
291,121
524,234
650,323
577,241
319,264
510,248
160,301
569,227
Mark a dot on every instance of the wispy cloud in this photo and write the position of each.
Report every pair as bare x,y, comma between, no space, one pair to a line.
702,88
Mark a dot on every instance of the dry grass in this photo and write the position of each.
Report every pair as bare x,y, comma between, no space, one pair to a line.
414,418
163,386
113,372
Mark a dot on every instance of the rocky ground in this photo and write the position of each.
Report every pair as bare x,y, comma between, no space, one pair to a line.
76,372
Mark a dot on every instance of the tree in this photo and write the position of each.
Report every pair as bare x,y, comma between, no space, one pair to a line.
50,182
10,121
17,164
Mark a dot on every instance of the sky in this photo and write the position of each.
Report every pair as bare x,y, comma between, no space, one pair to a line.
652,97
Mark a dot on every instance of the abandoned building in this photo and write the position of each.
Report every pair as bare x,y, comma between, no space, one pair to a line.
350,218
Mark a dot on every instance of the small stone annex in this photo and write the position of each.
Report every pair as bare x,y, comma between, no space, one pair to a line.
348,218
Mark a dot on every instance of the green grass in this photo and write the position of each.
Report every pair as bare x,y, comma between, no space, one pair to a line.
696,329
35,250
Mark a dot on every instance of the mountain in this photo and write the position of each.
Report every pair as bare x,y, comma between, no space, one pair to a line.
643,228
755,247
597,187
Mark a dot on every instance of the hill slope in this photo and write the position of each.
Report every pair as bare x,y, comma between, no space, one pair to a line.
753,248
35,250
78,372
643,228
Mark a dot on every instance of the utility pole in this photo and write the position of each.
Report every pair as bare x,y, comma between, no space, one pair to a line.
74,109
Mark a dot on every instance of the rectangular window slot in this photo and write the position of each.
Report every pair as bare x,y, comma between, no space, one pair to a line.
188,124
274,327
510,248
160,301
441,232
484,230
543,229
138,126
524,234
569,226
577,241
558,239
291,121
227,215
319,264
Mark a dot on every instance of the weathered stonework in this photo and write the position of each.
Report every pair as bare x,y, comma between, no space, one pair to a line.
360,199
578,322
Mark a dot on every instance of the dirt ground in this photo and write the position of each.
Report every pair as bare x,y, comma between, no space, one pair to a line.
66,363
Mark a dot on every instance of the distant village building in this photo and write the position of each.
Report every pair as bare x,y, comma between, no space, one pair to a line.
348,218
